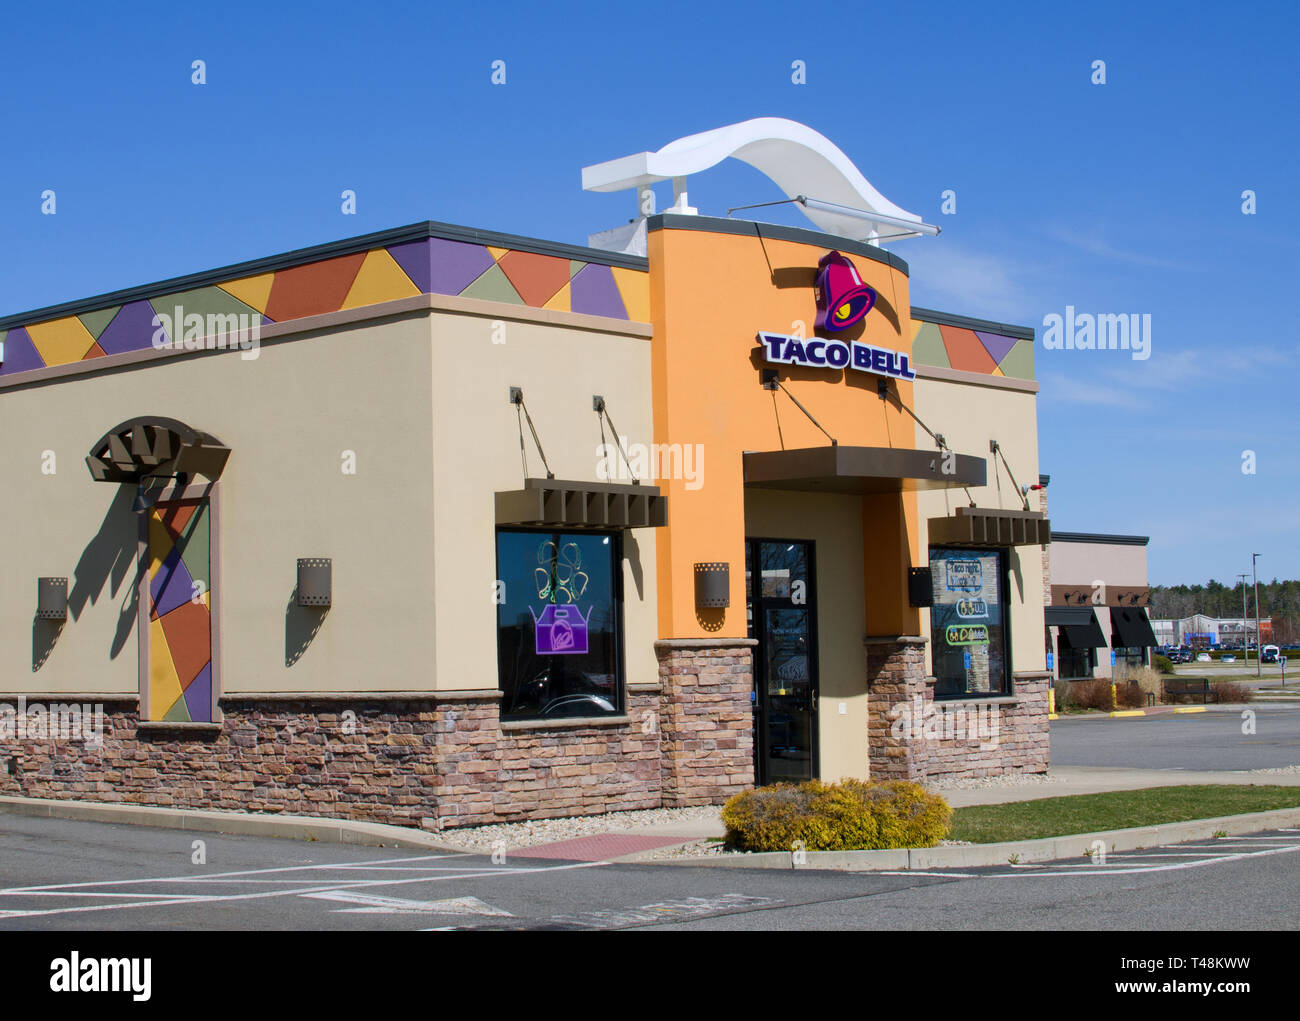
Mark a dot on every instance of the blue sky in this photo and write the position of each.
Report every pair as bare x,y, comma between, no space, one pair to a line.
1115,198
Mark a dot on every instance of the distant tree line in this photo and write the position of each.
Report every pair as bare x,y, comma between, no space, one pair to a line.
1277,599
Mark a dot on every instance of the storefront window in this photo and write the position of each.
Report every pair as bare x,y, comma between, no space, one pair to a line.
1076,664
968,632
1134,656
559,624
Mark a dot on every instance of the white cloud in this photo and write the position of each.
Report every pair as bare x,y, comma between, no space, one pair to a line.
948,277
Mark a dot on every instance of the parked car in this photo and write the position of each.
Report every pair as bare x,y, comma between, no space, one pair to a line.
1269,654
1202,657
1229,658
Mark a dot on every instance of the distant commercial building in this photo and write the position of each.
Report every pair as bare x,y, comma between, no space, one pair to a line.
1204,632
1096,618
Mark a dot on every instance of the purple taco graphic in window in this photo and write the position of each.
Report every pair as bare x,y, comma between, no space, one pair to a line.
561,630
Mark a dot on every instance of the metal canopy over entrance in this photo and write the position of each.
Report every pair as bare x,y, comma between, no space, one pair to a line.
858,470
582,505
156,448
984,526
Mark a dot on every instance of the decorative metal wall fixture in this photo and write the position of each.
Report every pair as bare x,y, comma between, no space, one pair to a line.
315,581
52,598
712,585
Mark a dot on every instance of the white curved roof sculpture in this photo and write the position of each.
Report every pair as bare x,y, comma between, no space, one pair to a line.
806,165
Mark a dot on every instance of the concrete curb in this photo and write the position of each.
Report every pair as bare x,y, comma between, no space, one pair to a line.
1125,713
293,827
976,855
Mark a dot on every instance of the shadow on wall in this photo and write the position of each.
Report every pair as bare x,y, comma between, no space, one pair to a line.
45,633
711,619
632,554
109,558
301,624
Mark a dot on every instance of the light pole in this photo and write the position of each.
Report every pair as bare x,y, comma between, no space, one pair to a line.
1245,643
1259,669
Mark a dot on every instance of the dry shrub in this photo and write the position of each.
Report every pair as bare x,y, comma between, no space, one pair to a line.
1149,679
1094,694
1231,691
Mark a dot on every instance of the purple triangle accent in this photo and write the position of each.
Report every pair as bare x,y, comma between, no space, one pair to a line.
996,345
172,586
198,696
20,353
594,292
437,266
132,329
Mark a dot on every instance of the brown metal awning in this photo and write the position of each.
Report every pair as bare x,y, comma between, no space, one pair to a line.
986,526
156,448
840,469
544,502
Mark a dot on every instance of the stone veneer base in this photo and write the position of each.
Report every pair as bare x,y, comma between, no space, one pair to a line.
429,761
444,760
1017,741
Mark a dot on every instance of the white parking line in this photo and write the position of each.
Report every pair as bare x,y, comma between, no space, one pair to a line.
323,887
1125,868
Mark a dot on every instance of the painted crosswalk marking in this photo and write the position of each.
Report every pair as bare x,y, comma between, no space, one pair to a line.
369,904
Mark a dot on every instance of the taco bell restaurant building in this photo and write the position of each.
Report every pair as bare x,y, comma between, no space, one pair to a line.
443,527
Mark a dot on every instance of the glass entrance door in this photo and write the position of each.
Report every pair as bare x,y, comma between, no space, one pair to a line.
782,617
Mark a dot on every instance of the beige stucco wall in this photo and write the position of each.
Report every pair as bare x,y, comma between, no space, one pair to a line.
476,453
834,523
287,415
969,415
1084,564
420,400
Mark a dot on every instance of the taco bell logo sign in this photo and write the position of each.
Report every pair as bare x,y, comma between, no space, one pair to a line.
561,631
842,298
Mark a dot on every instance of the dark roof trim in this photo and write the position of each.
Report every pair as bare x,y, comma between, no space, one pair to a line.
929,315
1044,480
314,253
1101,538
777,232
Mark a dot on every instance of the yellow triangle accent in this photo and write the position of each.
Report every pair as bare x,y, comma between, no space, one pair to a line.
61,341
634,286
252,291
561,300
160,544
997,371
164,683
497,252
379,279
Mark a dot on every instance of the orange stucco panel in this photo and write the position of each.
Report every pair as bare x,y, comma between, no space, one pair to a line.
710,295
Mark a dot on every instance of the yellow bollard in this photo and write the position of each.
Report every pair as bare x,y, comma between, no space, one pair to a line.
1051,701
1113,703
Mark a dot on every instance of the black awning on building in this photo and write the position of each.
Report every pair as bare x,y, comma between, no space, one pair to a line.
1078,626
1131,628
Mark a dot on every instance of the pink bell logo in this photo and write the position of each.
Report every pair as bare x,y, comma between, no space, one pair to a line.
842,298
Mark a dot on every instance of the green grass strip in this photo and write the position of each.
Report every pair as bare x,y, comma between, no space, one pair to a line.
1114,810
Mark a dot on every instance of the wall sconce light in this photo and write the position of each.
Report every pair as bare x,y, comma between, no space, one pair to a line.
52,598
315,583
712,585
920,586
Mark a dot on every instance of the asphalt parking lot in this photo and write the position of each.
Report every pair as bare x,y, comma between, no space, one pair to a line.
64,875
1210,740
